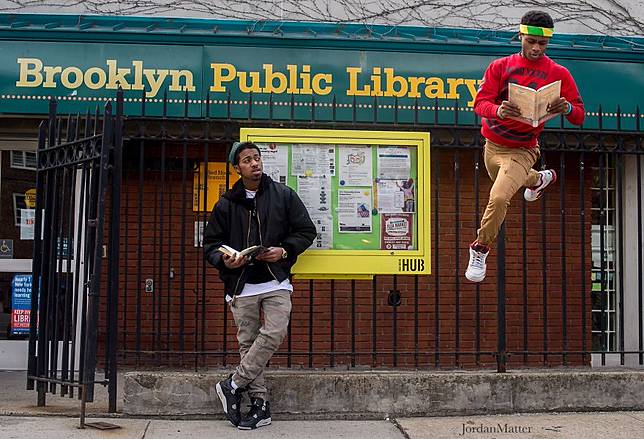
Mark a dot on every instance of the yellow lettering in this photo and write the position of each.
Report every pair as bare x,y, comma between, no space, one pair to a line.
306,80
434,88
78,75
50,74
317,79
100,73
270,76
353,83
292,82
254,82
116,77
219,77
176,80
138,75
391,84
155,78
453,84
376,82
414,82
29,67
471,87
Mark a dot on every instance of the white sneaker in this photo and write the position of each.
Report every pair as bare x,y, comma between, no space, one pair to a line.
476,268
534,193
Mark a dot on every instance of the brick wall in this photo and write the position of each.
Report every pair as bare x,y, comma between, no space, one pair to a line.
344,312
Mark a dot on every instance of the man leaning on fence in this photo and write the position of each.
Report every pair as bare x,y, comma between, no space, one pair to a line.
511,146
263,212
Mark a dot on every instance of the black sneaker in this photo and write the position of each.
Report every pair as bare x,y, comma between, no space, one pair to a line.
259,415
230,400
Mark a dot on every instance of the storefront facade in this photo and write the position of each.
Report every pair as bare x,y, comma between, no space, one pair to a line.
190,85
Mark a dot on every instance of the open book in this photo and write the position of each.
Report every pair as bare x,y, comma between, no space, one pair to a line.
534,103
250,251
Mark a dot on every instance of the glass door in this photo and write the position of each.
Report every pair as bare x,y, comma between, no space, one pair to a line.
17,202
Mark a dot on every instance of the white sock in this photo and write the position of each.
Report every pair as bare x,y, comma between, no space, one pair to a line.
233,385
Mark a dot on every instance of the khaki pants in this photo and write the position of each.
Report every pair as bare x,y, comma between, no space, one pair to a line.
257,342
509,169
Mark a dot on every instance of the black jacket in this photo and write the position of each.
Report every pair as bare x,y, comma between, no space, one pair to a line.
282,220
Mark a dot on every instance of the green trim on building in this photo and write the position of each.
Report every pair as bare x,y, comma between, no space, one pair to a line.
154,30
404,74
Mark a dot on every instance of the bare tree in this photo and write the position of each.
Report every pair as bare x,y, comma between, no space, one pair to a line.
607,17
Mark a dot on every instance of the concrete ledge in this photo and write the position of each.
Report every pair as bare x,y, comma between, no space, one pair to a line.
377,394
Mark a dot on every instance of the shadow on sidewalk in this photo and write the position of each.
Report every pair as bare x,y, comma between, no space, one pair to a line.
17,400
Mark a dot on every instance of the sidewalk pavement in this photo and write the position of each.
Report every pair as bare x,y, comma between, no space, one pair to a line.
20,418
614,425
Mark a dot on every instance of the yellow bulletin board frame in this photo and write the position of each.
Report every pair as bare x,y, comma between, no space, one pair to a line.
362,264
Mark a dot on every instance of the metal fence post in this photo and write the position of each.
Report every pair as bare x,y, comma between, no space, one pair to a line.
501,355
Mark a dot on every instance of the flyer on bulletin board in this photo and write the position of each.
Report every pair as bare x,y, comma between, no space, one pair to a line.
396,231
275,161
354,210
355,166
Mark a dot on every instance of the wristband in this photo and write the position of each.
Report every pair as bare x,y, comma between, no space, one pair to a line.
569,108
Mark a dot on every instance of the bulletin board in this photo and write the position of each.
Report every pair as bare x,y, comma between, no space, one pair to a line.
366,191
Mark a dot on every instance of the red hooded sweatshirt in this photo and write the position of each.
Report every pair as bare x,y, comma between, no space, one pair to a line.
534,74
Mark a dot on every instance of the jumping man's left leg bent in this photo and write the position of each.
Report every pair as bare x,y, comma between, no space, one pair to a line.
509,169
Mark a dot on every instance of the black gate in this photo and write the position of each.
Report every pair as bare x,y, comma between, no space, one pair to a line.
79,161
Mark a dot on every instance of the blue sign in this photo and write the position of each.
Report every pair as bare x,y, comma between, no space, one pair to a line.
20,303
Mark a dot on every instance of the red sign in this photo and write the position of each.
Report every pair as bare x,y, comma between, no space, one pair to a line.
20,319
396,231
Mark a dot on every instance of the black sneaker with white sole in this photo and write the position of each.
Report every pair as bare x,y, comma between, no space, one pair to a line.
230,400
259,415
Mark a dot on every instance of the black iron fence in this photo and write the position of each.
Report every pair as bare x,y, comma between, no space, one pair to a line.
564,286
77,157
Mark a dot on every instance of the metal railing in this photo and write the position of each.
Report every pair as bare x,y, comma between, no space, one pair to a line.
534,309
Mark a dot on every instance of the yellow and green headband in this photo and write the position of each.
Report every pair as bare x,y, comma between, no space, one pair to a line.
536,30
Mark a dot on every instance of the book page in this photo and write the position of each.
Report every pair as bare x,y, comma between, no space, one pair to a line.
545,95
524,98
228,251
252,251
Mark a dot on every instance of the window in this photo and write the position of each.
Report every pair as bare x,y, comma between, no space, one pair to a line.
603,276
18,203
23,160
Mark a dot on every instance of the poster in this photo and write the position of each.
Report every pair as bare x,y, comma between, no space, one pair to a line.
393,163
396,232
6,248
275,161
354,210
313,160
324,226
315,194
27,223
355,166
20,303
396,195
216,185
390,197
198,233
